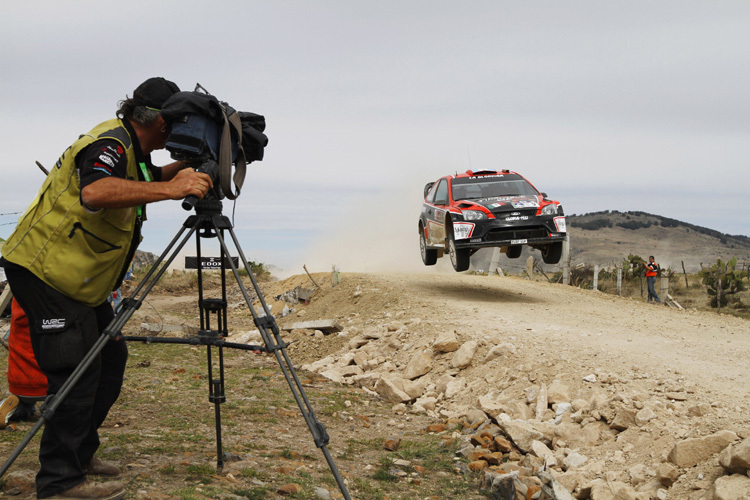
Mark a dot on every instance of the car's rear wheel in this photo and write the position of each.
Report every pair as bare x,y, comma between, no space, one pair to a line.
460,257
429,256
552,252
514,251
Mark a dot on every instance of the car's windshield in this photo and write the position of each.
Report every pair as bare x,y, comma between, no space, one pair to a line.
475,188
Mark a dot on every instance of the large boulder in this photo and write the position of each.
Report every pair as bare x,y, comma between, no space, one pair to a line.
446,342
520,432
391,390
736,458
693,451
465,354
611,490
734,487
558,392
419,364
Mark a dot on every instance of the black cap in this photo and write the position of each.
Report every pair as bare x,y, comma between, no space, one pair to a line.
153,92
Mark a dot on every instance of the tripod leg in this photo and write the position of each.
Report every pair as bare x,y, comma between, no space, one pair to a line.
217,397
274,343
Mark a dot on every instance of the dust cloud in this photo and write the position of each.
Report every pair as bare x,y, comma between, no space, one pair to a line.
378,234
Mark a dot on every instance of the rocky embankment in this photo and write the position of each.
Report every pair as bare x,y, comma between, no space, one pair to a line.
539,418
583,434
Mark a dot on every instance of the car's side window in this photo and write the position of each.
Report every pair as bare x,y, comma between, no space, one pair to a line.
441,193
431,193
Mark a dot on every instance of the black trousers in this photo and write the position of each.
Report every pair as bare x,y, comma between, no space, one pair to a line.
62,332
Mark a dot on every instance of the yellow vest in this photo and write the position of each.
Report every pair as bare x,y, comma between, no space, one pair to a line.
79,253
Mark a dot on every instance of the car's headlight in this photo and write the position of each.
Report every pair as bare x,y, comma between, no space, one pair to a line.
550,209
474,215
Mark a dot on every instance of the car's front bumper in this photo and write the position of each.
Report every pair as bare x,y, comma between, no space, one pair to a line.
498,233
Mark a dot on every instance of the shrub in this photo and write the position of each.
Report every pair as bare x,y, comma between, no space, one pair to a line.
722,282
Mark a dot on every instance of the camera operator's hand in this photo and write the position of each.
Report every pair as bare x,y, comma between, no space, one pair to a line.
189,182
112,192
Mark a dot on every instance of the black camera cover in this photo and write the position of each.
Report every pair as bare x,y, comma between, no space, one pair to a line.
245,133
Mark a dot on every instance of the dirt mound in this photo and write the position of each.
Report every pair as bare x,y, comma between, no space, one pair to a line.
610,356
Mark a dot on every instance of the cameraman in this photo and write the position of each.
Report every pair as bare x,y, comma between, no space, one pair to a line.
70,249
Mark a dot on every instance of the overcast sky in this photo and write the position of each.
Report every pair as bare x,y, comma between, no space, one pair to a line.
623,105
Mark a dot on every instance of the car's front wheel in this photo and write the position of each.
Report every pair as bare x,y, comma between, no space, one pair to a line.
429,256
552,252
460,257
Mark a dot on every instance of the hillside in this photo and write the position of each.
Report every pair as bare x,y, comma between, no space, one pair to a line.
605,238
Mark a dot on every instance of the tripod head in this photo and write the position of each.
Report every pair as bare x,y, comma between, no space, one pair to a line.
209,207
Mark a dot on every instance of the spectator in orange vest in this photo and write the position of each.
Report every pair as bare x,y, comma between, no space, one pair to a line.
26,382
652,269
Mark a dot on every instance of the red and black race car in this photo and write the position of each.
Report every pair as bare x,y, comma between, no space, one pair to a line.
465,212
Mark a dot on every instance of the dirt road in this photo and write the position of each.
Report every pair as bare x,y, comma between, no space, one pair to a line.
583,330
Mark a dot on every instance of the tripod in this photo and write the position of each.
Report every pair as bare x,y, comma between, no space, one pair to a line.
208,222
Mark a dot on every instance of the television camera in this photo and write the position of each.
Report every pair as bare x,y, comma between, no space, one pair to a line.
214,138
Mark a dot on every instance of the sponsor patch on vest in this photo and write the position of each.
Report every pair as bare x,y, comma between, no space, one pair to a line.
54,324
107,159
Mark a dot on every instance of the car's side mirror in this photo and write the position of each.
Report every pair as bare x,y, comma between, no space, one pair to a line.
544,195
427,188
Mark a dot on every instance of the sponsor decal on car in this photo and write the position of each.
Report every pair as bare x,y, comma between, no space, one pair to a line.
491,176
462,230
524,203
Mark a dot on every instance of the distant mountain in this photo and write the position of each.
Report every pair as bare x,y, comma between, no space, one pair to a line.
143,259
607,237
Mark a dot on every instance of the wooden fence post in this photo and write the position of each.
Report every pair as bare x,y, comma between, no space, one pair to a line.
596,277
619,282
685,273
566,261
335,275
664,292
494,262
530,267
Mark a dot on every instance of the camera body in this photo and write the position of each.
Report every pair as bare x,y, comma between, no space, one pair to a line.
194,139
211,136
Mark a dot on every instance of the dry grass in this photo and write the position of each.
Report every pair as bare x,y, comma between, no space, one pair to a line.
162,432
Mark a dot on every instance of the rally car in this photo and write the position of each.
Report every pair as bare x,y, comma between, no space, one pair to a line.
465,212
